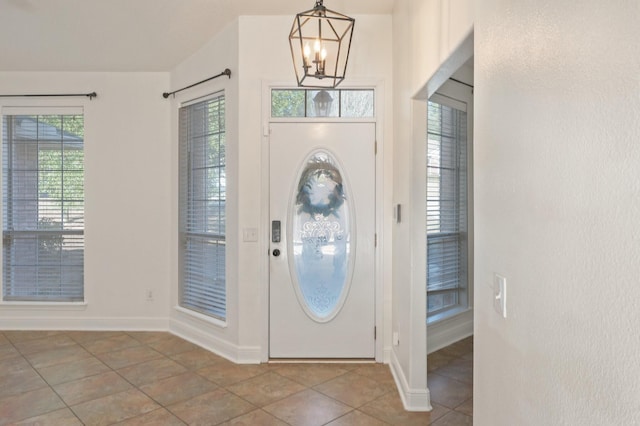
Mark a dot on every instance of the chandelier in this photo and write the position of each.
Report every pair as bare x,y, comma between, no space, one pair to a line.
320,41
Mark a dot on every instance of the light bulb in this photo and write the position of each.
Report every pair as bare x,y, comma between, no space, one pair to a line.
307,50
316,46
323,54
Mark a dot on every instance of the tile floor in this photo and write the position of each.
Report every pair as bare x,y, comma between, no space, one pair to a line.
148,378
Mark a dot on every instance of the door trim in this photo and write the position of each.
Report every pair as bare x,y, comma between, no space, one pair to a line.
382,218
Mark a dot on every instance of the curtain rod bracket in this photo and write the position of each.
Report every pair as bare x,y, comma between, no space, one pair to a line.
226,72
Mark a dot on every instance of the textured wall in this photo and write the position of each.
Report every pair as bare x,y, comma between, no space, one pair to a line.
557,190
425,34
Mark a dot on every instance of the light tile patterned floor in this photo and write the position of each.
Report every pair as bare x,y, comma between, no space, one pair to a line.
147,378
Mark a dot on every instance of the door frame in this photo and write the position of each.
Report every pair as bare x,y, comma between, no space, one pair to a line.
383,252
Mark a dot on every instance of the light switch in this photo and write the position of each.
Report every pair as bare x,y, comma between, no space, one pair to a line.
500,295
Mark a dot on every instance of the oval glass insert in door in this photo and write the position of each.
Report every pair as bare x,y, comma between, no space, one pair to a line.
322,240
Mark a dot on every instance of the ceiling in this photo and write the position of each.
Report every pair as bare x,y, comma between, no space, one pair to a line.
130,35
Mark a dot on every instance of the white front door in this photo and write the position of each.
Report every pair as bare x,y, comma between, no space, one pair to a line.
322,241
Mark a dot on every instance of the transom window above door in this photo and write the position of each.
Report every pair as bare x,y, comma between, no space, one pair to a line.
312,103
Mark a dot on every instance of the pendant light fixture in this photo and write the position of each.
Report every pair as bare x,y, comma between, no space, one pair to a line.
320,41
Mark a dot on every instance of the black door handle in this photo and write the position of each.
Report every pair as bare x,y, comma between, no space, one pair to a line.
276,252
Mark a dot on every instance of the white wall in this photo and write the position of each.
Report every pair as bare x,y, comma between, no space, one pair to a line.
425,33
218,54
557,212
132,172
256,49
266,59
127,221
407,323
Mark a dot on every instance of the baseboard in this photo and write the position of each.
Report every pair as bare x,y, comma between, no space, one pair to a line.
215,344
237,354
386,355
88,324
449,331
249,355
412,399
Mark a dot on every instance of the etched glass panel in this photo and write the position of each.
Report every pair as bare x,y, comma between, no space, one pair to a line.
321,237
323,103
356,103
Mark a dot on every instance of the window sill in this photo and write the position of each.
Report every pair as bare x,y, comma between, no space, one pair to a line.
44,306
201,317
443,316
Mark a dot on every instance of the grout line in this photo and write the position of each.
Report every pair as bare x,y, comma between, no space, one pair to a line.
350,367
51,389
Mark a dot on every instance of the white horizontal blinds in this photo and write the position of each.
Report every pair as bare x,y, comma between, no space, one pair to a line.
447,252
43,207
202,206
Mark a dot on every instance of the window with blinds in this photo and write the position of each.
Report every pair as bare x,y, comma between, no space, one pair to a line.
202,206
43,207
447,242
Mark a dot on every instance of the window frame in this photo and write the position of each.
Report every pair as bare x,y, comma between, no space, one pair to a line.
185,209
68,287
339,105
458,96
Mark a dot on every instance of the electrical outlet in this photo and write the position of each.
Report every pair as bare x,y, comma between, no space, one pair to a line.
500,295
149,295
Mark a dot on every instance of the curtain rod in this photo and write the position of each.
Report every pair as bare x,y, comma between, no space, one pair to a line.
461,82
226,72
67,95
